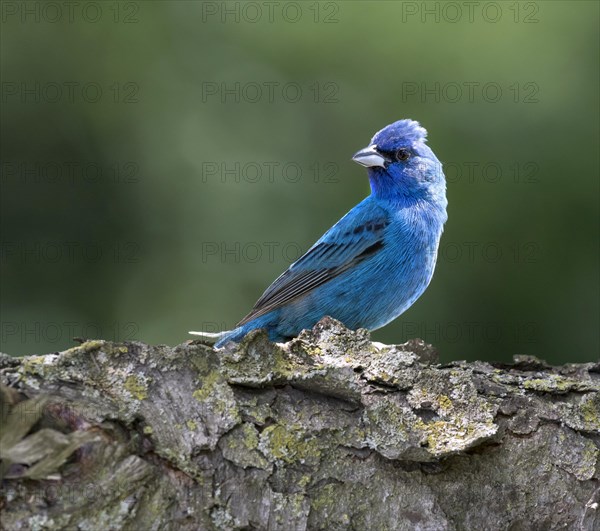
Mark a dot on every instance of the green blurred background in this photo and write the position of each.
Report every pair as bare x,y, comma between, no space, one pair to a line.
163,162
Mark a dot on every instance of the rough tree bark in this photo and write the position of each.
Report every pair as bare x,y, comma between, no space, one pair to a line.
329,431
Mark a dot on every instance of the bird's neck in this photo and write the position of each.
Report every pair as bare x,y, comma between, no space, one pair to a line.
382,184
384,187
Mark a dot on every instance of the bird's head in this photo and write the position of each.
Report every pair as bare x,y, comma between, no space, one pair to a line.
401,165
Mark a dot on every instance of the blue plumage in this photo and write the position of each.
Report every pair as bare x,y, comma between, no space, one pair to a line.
376,261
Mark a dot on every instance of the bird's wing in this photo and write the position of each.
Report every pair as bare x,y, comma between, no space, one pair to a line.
357,236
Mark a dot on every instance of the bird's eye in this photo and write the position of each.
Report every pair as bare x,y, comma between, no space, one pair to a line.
402,154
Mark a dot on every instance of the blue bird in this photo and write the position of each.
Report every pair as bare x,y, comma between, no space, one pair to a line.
376,261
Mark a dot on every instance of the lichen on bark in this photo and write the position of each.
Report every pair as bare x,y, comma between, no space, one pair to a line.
329,431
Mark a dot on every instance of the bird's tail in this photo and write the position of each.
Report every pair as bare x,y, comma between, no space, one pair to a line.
223,337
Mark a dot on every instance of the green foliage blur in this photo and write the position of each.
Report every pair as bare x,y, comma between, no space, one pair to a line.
163,162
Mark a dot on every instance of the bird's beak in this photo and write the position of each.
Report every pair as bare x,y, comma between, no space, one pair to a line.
369,157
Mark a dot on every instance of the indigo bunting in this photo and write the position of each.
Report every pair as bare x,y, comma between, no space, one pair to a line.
376,261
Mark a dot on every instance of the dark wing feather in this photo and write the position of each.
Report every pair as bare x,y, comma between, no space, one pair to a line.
344,246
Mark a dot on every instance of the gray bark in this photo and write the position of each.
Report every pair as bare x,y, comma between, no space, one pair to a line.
329,431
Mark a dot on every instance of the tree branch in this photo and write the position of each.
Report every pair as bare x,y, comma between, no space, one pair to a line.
329,431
